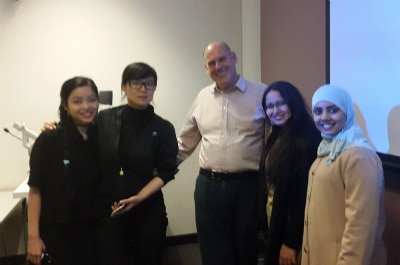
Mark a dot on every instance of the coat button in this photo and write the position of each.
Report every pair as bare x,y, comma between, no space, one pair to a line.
305,250
309,196
312,173
305,223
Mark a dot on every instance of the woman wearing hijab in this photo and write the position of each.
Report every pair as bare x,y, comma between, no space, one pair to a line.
344,216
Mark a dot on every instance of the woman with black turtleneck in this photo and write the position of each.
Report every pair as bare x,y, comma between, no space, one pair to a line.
134,141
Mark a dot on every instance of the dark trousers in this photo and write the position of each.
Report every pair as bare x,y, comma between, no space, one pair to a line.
122,240
70,243
226,220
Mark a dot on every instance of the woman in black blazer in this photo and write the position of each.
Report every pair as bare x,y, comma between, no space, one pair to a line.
134,141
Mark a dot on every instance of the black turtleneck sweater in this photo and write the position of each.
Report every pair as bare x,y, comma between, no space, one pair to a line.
136,141
133,156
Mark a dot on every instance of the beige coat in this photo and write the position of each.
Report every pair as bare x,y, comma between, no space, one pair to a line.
344,216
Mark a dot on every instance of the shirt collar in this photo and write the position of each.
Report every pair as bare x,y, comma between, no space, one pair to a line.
240,84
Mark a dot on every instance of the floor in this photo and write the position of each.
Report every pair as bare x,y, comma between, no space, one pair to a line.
188,254
182,254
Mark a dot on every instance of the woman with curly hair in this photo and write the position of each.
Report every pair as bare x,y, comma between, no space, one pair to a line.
289,152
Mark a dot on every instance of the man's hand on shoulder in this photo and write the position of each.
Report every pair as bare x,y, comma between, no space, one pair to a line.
49,126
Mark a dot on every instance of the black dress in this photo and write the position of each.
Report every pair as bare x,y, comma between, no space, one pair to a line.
66,170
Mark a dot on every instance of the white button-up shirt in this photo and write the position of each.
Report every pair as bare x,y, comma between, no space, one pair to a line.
230,125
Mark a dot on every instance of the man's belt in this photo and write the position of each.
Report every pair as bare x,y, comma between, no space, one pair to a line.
221,175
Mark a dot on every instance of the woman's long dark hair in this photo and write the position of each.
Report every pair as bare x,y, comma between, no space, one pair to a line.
66,121
66,90
296,135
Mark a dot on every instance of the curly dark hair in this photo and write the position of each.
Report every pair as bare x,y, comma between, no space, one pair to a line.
296,135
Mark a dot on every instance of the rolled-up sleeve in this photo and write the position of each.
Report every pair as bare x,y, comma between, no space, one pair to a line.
189,136
167,154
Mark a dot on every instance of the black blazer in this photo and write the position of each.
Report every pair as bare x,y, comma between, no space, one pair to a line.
158,147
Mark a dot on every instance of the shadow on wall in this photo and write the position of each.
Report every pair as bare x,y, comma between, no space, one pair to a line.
391,235
393,124
360,120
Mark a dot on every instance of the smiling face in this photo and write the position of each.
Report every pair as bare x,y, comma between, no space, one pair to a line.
329,118
220,64
278,111
139,98
82,105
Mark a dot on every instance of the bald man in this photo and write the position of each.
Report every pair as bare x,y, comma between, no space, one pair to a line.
228,119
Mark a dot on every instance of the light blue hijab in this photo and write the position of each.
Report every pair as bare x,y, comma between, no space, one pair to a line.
351,134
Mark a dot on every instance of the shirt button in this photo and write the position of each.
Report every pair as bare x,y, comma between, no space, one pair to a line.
312,173
305,223
309,196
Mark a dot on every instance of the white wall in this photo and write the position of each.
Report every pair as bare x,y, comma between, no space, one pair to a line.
45,42
251,39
